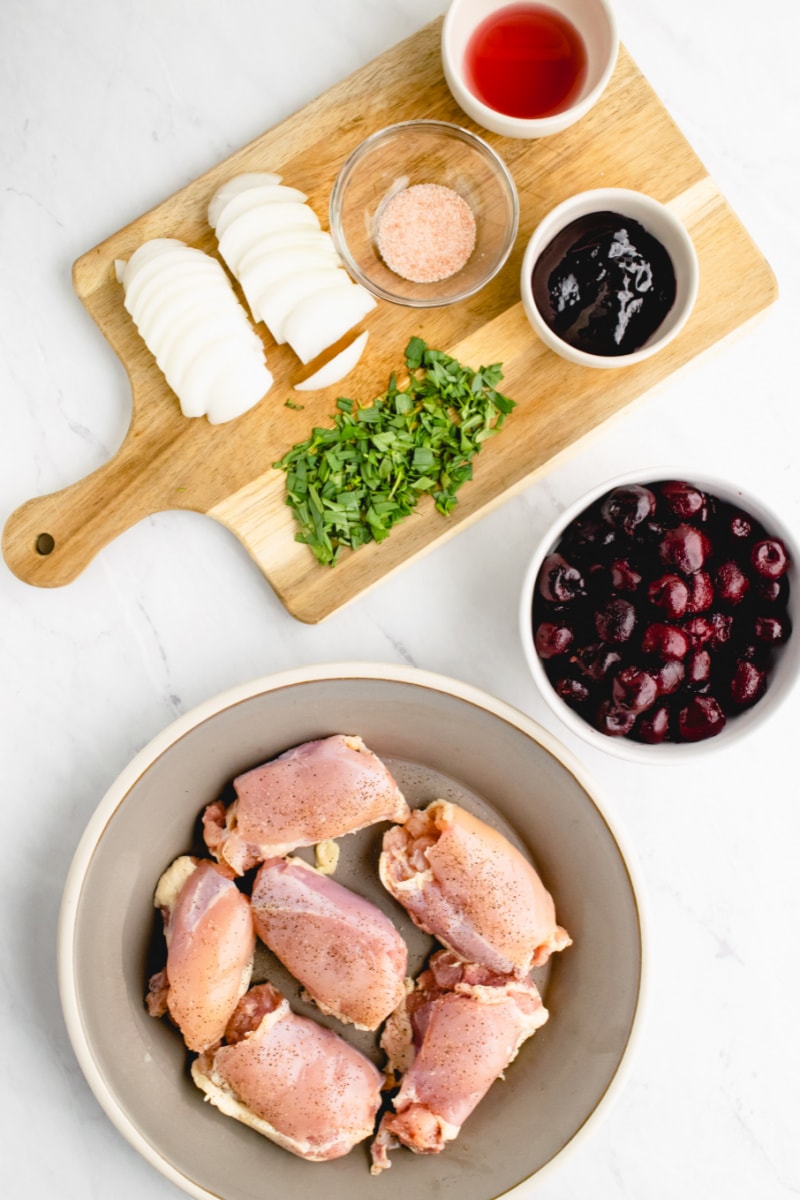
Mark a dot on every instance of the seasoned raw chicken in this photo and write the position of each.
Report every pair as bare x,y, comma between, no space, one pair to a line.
465,883
294,1081
318,790
455,1034
347,954
210,944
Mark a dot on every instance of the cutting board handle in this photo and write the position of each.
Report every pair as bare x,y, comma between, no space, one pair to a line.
50,539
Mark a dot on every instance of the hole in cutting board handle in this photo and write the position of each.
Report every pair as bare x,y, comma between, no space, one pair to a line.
45,544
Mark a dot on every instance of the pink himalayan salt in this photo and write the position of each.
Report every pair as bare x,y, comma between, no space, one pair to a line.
426,233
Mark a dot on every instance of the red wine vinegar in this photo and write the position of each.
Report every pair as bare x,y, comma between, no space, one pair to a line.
526,60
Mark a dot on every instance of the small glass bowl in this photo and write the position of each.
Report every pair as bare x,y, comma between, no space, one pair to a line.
420,152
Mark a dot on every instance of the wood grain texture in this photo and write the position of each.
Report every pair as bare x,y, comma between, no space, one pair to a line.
168,462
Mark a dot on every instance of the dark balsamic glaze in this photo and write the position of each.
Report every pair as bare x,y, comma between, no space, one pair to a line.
604,284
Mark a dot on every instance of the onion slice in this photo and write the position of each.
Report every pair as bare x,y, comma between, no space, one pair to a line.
236,185
335,368
274,193
276,300
322,318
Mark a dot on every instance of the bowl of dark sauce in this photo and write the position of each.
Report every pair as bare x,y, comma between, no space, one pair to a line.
609,277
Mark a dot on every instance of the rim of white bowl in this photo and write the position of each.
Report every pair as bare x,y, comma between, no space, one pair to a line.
782,682
687,272
118,790
523,127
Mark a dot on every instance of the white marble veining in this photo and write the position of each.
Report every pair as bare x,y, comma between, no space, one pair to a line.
105,108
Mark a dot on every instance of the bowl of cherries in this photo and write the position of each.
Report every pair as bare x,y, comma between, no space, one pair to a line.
656,615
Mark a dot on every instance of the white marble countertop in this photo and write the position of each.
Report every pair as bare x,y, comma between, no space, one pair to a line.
107,108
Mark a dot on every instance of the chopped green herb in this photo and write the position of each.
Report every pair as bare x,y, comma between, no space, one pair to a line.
351,484
292,404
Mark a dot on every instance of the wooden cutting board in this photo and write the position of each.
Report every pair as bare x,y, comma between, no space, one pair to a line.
169,462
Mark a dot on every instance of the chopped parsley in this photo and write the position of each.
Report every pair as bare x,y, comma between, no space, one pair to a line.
351,484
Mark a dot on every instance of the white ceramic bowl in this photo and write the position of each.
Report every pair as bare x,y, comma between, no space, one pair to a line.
423,152
657,220
783,675
439,737
594,21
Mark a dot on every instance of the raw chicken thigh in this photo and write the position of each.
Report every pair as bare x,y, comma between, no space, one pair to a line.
465,883
210,944
294,1081
321,789
347,954
455,1034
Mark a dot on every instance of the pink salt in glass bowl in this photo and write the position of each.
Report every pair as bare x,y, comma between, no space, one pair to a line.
409,155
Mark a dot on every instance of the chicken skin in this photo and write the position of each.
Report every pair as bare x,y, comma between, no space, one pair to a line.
318,790
468,886
343,950
292,1080
455,1034
210,939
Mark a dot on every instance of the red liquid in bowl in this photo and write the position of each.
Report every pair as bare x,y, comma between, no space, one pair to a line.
526,60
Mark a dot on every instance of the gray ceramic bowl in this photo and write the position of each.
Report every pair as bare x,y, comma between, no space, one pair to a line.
440,737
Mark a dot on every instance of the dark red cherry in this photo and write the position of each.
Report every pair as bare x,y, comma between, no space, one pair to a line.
722,624
665,641
634,689
769,558
624,577
748,683
653,727
699,630
773,631
595,660
732,583
769,590
559,582
626,507
684,548
698,668
701,592
681,498
670,593
574,691
614,721
552,638
615,620
669,676
740,526
701,718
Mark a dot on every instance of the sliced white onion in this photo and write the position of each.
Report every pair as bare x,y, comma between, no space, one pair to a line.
336,368
192,322
158,291
247,230
181,347
146,253
325,316
216,359
293,239
232,187
155,270
163,313
278,265
280,297
239,390
275,193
